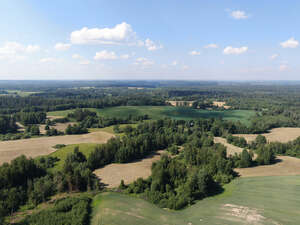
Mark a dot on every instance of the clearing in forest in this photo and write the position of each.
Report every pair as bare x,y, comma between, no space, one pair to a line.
231,149
282,134
34,147
112,174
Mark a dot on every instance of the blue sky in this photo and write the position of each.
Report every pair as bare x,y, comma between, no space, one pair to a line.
138,39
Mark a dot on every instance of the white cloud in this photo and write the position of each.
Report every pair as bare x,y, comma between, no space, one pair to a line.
211,46
15,50
194,52
32,48
174,63
239,15
151,46
76,56
125,56
105,55
84,62
62,46
121,33
48,60
274,56
291,43
143,61
283,67
235,51
185,67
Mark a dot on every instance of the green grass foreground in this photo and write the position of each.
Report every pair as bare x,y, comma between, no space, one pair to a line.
159,112
257,200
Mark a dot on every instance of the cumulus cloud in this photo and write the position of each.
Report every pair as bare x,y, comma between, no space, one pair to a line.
105,55
84,62
185,67
211,46
15,50
291,43
283,67
151,46
174,63
121,33
62,46
274,56
229,50
48,60
125,56
76,56
239,15
143,61
194,52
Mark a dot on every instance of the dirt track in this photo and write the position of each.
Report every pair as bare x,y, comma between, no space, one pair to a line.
42,146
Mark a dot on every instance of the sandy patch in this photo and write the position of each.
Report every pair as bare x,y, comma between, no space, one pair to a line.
43,146
221,104
181,103
286,166
112,174
231,149
243,213
283,134
58,126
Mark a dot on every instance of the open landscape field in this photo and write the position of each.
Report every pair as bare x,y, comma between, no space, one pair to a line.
159,112
112,174
283,134
42,146
231,149
254,200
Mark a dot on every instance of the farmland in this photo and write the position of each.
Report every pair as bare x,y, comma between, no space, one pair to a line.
159,112
42,146
254,200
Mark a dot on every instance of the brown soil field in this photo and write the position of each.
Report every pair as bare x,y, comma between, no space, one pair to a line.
42,146
58,126
283,134
231,149
54,117
286,166
112,174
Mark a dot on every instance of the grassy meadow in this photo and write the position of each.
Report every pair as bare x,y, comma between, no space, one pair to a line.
158,112
256,200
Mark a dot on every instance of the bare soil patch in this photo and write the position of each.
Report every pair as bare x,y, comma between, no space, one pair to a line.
286,166
43,146
283,134
181,103
58,126
231,149
54,117
221,104
112,174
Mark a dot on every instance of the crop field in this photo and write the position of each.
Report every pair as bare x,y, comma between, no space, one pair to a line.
252,200
159,112
282,134
231,149
34,147
112,174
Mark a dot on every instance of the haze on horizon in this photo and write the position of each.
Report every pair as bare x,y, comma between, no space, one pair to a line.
153,40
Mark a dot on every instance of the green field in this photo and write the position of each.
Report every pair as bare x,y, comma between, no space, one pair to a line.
257,200
159,112
85,148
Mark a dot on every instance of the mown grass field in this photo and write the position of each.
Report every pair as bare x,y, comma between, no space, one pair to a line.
85,148
159,112
256,200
